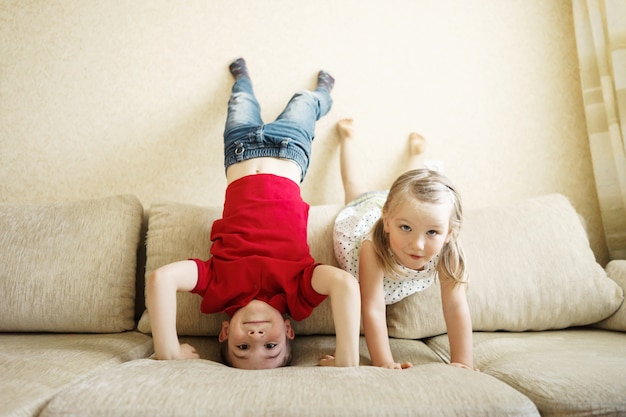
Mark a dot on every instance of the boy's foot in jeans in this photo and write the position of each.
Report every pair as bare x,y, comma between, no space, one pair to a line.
325,81
239,69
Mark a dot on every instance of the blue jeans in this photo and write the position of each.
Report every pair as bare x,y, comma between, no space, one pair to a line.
289,136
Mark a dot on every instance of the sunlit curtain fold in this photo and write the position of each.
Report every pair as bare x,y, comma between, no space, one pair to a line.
601,38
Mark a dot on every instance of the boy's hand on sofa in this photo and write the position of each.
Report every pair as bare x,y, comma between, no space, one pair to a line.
329,360
396,365
188,352
185,351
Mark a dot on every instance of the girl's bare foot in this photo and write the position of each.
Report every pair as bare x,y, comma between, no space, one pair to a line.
417,146
417,143
345,129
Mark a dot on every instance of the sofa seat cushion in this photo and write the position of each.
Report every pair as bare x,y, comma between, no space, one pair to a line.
616,270
34,367
576,372
69,267
200,387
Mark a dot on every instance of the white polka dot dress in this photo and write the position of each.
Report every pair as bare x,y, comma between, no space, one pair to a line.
353,225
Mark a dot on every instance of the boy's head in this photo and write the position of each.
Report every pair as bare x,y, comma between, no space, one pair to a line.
256,337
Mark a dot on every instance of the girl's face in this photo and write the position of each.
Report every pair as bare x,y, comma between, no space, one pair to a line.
417,231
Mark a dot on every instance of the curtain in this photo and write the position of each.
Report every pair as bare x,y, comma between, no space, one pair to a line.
600,27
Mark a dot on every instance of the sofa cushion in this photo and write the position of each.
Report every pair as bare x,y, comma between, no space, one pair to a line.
572,372
201,387
35,367
616,270
531,268
182,231
69,267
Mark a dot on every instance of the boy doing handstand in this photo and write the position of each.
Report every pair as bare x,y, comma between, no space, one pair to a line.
260,266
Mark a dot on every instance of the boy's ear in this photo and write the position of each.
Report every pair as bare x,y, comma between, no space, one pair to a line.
223,332
289,330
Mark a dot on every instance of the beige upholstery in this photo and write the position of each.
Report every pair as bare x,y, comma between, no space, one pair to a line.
34,367
183,388
617,271
531,269
69,267
563,372
530,263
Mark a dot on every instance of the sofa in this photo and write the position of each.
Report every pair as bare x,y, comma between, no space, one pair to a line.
549,322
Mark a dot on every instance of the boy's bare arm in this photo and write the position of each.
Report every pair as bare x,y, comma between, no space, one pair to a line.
345,301
161,289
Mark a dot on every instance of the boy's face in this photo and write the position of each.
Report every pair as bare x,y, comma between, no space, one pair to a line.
257,337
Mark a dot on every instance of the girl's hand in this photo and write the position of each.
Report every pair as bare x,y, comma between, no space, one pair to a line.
395,365
462,365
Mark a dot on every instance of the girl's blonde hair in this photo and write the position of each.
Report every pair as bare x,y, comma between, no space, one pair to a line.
425,186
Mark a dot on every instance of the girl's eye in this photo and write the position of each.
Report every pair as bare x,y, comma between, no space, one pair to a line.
242,347
270,345
432,233
405,228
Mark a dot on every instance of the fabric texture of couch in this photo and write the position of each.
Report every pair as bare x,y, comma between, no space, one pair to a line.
549,323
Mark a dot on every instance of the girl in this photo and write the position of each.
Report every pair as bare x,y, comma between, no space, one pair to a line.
396,242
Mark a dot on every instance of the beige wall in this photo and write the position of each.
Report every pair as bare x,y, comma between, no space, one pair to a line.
101,98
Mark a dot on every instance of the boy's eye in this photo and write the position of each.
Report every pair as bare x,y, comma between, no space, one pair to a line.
242,346
270,345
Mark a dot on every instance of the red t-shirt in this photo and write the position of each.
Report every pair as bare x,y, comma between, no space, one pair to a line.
260,250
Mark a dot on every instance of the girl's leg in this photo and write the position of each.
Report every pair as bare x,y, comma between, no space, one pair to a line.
243,108
351,176
417,146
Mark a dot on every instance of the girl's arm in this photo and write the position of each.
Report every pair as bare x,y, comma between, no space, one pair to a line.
458,322
161,289
374,310
343,291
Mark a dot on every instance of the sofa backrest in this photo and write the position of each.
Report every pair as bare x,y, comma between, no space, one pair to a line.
531,268
69,267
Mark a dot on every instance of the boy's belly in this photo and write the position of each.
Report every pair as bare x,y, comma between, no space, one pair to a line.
265,165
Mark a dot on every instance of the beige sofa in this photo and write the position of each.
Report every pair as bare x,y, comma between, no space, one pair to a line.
550,328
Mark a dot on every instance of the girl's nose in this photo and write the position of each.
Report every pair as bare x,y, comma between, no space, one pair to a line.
417,243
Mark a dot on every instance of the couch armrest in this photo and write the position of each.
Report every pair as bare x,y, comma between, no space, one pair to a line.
616,270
